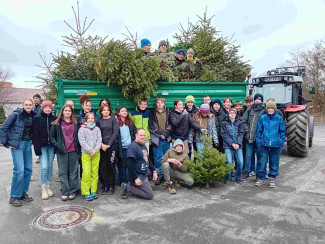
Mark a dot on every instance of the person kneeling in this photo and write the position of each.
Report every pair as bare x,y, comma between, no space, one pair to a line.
174,166
138,165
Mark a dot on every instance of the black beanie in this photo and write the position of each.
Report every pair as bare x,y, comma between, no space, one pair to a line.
37,95
258,96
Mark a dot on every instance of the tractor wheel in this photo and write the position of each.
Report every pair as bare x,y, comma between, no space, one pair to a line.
298,134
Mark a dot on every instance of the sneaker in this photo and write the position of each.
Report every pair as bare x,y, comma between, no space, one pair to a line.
45,195
26,198
124,190
259,182
159,181
72,196
272,183
15,201
105,191
49,190
252,173
170,188
266,176
94,195
110,191
88,197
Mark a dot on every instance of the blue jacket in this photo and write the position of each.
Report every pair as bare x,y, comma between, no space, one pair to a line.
232,132
12,129
271,131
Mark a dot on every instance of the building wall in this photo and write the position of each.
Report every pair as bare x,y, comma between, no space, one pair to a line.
10,107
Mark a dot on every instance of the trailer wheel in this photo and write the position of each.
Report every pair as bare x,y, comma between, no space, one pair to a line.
298,134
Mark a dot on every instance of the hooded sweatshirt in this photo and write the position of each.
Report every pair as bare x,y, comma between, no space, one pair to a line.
171,153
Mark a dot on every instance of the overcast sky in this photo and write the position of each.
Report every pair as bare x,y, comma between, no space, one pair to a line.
267,30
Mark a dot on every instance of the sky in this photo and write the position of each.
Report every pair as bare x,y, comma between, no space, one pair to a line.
266,30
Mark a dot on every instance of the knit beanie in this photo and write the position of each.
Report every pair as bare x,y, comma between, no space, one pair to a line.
258,96
37,95
162,43
189,98
180,51
205,109
190,51
216,101
145,42
46,104
271,105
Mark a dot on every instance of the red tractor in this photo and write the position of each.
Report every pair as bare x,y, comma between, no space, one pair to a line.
285,86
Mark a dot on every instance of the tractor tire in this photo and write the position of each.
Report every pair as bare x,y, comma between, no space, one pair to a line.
298,133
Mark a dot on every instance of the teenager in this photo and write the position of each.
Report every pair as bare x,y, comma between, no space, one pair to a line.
232,133
42,146
175,168
270,137
140,167
90,140
104,101
219,118
238,105
227,102
15,134
160,134
64,138
126,137
189,105
109,149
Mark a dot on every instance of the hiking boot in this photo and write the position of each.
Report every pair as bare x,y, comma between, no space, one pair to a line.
170,188
177,184
48,189
88,197
245,175
45,195
94,195
26,198
124,190
272,182
259,182
15,201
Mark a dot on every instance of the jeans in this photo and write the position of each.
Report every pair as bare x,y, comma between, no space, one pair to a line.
123,172
68,172
271,155
46,161
23,168
250,157
158,153
239,159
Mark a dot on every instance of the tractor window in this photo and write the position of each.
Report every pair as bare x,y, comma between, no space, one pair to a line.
278,91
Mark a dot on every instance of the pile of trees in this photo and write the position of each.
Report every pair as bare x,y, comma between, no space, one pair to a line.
121,62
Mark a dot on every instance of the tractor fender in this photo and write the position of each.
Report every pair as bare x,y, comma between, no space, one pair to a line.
295,108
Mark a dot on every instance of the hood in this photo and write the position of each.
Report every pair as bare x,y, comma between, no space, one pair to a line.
44,115
178,142
83,124
20,111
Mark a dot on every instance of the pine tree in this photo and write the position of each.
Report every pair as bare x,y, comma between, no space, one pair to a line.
2,115
209,165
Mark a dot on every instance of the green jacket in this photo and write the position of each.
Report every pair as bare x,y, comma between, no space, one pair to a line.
141,120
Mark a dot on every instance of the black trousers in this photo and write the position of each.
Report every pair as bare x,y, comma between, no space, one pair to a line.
107,164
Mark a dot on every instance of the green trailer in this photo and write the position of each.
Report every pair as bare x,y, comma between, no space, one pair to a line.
171,91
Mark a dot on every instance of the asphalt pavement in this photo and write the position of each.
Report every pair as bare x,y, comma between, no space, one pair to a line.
291,213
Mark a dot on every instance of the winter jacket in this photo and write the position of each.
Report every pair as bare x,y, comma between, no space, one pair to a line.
271,131
12,129
219,118
141,120
89,139
181,123
57,138
250,121
81,117
153,127
41,131
132,130
171,153
193,111
212,130
37,108
232,132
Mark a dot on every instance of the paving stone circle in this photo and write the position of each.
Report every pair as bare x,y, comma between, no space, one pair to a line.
63,218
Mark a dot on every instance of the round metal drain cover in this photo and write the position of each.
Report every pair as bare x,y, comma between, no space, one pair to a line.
62,218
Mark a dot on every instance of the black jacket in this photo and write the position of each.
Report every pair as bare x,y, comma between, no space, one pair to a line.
154,128
232,132
57,138
181,123
41,130
219,118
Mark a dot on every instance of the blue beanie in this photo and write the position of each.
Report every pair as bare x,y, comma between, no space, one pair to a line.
180,51
258,96
216,101
145,42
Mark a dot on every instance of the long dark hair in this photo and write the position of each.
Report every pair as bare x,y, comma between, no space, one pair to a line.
105,99
128,120
72,117
101,108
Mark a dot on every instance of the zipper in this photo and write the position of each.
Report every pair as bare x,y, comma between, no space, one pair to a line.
250,133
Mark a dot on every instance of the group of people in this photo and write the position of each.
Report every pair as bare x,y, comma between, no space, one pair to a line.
142,144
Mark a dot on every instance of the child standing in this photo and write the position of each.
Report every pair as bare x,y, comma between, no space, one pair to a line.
64,138
270,137
232,133
42,146
90,140
227,102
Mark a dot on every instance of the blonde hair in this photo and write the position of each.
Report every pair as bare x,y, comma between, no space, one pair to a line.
27,99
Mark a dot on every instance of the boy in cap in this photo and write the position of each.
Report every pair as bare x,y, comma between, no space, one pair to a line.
146,45
250,121
270,137
189,105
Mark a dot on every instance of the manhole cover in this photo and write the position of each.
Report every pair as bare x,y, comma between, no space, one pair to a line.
62,218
